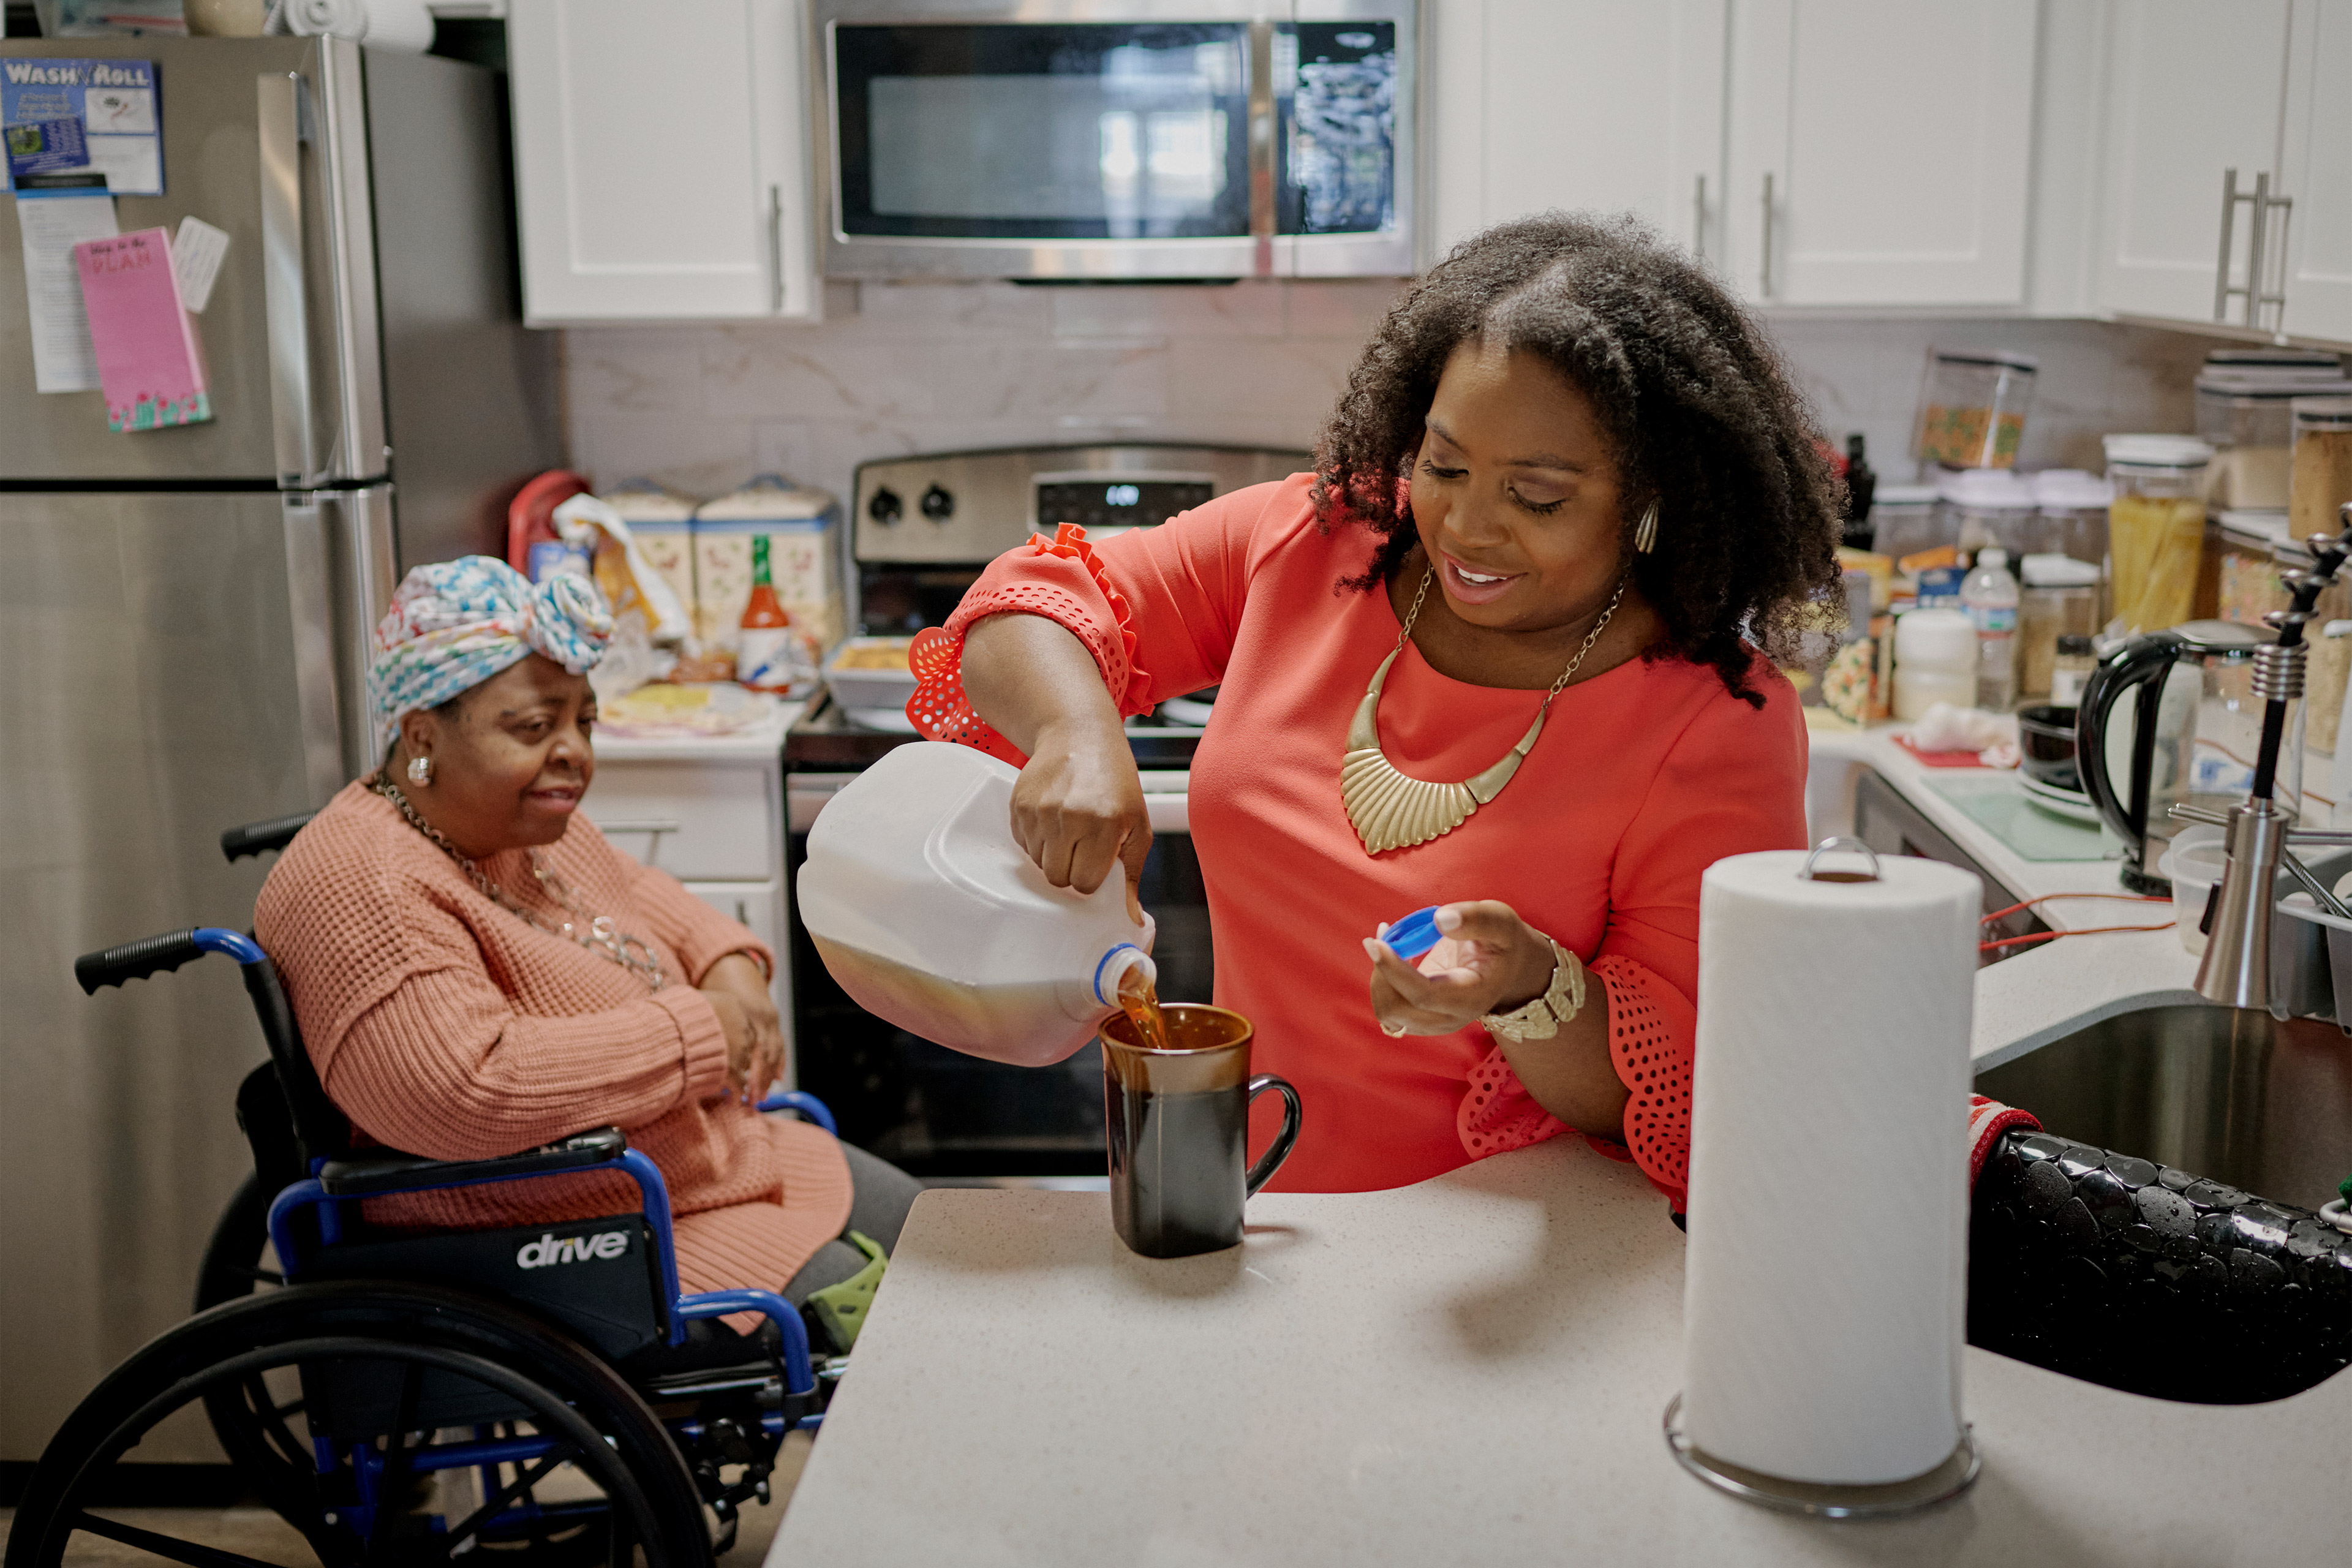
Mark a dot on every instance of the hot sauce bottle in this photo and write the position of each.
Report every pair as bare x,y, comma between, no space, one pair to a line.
769,655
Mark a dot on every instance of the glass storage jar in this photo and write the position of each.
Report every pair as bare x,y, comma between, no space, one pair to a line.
2156,528
1990,506
1972,408
2060,598
2321,479
1905,521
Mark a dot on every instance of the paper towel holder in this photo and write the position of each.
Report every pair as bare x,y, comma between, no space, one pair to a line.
1843,842
1818,1501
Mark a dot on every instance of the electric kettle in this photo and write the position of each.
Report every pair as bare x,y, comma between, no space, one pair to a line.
2171,718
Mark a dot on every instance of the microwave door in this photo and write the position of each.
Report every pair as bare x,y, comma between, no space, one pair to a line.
1345,138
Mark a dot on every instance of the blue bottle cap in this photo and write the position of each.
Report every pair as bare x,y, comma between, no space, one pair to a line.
1415,934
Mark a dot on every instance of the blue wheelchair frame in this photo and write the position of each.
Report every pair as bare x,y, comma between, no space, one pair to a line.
485,1452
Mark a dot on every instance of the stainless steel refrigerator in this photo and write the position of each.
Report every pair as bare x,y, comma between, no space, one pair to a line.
183,614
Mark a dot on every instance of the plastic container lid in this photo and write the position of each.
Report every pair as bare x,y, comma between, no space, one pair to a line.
2157,451
1902,495
2000,359
1986,489
2058,571
2323,413
1936,637
2270,373
2071,489
2257,530
1992,557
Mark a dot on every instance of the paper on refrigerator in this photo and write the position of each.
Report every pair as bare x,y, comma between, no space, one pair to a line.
115,102
54,213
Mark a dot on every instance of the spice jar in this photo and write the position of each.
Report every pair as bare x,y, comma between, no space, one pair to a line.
2155,527
2060,598
1972,408
2321,479
2071,670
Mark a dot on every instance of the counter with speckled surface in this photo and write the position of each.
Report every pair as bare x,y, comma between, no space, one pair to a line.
1470,1370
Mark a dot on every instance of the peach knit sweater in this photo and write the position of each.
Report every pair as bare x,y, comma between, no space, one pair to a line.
448,1026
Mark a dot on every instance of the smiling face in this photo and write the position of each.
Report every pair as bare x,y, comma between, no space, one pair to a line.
511,758
1515,493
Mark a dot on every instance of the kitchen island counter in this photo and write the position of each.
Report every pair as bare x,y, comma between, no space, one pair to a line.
1468,1371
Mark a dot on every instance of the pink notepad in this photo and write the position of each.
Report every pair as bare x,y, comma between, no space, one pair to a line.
150,364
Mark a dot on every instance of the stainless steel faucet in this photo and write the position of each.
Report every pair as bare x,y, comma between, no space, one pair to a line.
2236,968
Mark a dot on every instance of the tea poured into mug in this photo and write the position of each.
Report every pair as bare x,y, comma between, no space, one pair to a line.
1176,1118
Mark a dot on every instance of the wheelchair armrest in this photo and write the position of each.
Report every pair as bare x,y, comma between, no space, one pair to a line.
810,1108
411,1173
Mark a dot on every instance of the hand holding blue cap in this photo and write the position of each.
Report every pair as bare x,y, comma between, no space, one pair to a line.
1415,934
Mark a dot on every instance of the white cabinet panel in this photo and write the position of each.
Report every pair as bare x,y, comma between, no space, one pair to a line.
694,820
1880,150
2317,174
660,168
2193,90
1601,105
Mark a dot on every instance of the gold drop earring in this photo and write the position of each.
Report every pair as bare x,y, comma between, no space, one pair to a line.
1646,533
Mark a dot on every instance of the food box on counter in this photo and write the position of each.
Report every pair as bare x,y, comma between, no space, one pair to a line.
803,559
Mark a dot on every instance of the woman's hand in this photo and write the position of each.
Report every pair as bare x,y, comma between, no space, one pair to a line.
1077,810
738,992
1488,961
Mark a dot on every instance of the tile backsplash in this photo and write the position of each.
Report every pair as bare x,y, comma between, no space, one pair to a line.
900,368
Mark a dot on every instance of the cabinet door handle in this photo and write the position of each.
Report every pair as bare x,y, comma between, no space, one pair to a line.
776,248
2229,222
1767,288
2254,249
2285,205
1698,220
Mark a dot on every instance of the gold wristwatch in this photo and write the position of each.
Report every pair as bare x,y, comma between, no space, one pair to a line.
1540,1019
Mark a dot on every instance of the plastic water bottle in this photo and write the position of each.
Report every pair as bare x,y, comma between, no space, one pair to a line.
1990,596
930,914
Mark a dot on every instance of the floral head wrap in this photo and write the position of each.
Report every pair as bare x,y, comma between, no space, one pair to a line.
455,624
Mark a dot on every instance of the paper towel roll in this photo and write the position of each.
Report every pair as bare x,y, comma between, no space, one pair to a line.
403,25
1825,1304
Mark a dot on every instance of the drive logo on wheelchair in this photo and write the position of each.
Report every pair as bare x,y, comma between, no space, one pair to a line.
547,1251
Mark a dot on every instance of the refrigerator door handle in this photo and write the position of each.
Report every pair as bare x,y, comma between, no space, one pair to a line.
285,123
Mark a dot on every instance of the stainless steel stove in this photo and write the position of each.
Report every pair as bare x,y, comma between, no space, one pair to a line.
923,530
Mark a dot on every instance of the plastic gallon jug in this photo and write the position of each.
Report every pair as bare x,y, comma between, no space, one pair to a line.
928,913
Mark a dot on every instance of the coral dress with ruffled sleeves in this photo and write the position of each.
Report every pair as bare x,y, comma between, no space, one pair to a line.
1644,776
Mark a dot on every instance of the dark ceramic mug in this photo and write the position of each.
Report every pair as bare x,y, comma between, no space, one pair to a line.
1178,1126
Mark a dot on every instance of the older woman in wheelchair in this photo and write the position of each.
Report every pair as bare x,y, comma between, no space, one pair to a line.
550,1275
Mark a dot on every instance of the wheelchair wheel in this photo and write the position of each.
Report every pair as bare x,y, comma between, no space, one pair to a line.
388,1402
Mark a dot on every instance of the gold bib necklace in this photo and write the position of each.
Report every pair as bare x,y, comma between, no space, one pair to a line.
1392,811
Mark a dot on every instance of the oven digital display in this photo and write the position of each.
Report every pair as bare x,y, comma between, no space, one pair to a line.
1111,502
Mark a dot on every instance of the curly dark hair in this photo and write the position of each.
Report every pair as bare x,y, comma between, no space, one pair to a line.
1692,394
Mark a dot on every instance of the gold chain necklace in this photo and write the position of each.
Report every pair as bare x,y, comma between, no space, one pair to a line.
1392,811
597,933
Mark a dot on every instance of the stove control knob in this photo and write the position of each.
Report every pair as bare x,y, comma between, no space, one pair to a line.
886,506
937,505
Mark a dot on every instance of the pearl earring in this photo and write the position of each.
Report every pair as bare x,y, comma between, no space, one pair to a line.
420,771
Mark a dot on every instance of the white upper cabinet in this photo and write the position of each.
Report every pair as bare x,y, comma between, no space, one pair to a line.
2316,175
1604,105
660,160
1880,152
2194,91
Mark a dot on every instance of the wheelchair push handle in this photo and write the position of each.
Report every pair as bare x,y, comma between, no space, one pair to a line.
158,954
260,838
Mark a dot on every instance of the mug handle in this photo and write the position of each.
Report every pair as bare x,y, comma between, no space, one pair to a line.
1279,1150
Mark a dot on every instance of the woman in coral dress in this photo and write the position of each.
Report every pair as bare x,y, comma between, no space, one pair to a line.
1567,503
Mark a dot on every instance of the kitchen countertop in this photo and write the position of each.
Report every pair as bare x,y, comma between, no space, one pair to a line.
1469,1371
762,742
2056,986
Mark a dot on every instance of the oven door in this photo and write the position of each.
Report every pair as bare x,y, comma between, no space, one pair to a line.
940,1113
1125,139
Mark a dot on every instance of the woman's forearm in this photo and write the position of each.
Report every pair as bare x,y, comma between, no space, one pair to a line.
1570,1074
1028,675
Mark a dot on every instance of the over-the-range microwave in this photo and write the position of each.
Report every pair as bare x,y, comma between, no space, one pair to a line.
1100,139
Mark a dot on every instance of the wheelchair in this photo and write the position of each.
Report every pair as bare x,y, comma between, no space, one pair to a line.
543,1396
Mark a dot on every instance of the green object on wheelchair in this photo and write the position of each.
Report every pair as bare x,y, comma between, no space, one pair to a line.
842,1307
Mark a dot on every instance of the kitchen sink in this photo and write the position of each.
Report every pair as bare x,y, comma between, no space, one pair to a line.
2236,1097
2158,1234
